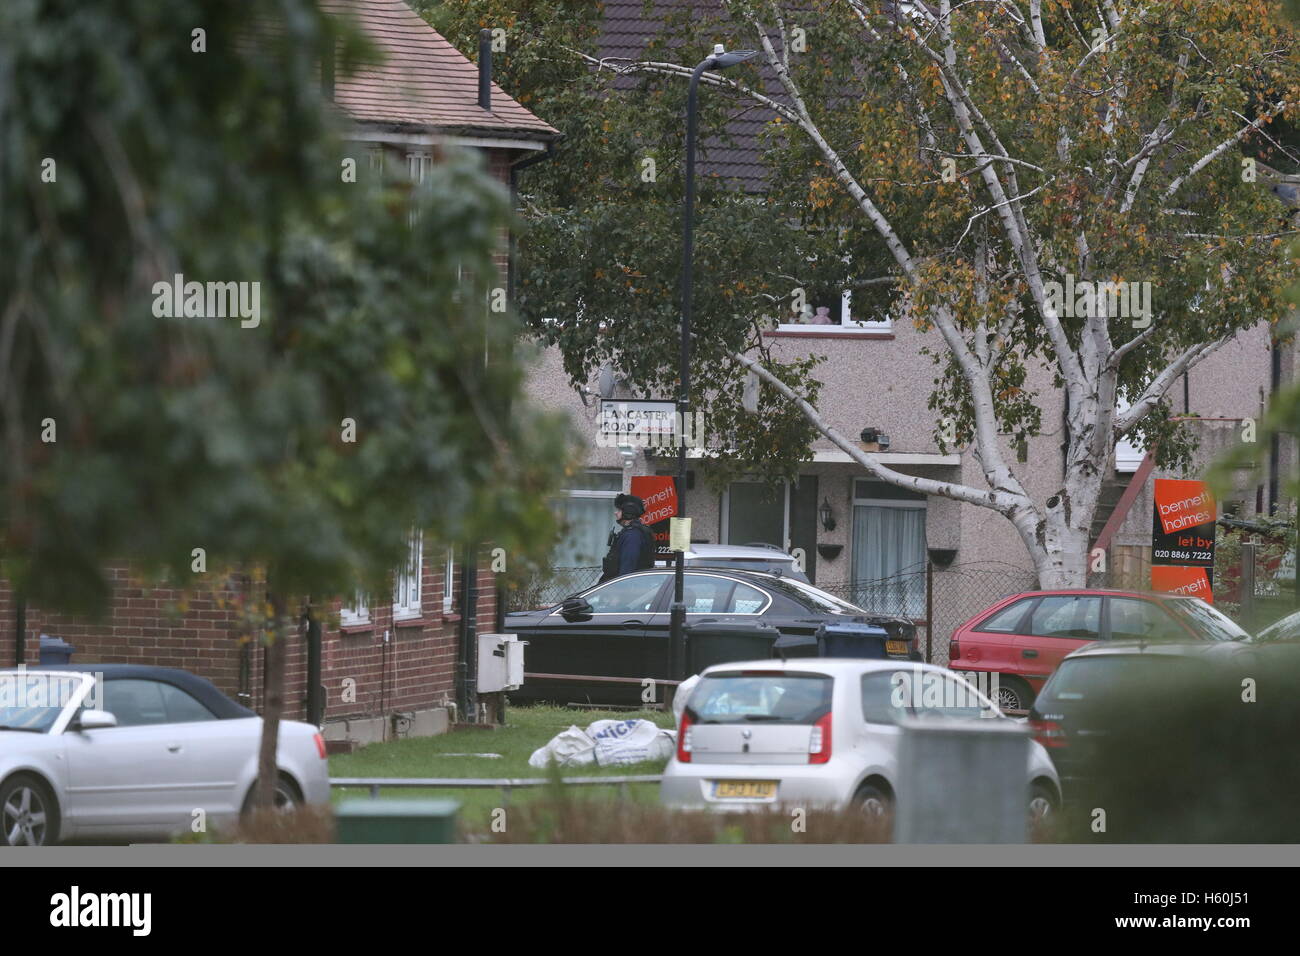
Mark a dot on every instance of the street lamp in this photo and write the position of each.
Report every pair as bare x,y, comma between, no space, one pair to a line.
720,59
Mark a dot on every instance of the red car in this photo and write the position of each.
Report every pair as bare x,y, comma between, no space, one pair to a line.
1022,638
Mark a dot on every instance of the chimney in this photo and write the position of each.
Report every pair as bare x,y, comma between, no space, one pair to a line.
485,69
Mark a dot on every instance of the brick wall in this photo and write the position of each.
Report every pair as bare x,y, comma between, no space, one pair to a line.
373,669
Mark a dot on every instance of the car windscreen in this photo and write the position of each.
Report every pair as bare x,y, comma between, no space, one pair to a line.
33,702
1287,629
759,697
1207,620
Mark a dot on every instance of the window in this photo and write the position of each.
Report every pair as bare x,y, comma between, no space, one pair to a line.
706,594
788,698
182,707
1005,621
889,554
913,692
449,572
1069,616
757,513
942,695
357,613
418,165
746,600
634,594
882,700
587,514
135,703
406,583
1132,619
821,320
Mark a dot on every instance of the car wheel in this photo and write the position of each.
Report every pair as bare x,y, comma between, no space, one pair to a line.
29,815
1014,694
1042,806
875,804
287,797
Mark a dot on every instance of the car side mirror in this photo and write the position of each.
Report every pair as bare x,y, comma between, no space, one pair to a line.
94,720
576,609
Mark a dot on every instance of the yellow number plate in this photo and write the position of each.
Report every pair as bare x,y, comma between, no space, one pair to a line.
896,647
744,789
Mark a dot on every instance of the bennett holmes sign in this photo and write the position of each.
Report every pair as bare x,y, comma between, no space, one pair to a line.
1182,538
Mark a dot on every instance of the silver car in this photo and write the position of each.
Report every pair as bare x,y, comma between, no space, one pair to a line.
135,753
743,557
819,732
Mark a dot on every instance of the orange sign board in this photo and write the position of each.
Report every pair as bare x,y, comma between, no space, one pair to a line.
1193,582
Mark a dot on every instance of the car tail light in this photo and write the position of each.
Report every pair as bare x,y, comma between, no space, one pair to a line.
684,739
954,650
819,741
320,746
1049,733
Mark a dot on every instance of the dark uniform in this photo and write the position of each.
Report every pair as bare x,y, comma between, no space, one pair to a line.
633,548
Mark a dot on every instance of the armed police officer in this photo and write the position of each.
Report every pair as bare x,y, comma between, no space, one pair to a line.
632,548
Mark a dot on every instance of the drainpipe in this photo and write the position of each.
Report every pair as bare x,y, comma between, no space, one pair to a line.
20,629
315,695
468,627
1275,375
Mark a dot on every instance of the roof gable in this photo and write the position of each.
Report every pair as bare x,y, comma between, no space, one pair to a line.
423,80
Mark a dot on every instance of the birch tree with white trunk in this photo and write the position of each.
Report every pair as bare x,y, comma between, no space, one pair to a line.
971,167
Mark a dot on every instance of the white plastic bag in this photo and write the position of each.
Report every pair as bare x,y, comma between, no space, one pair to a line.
568,748
629,741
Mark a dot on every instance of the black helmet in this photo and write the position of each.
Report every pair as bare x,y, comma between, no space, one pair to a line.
630,505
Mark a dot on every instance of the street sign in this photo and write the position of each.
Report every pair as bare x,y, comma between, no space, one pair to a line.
638,423
1182,537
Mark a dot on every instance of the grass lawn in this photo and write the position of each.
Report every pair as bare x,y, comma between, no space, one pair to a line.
526,729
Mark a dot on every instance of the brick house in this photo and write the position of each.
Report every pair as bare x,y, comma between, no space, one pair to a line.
390,668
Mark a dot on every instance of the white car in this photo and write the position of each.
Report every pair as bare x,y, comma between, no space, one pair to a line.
121,751
819,732
742,557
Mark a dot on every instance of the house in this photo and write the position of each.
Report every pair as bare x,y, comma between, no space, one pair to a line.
390,667
880,546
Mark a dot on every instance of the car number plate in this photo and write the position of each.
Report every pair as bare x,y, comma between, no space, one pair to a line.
744,789
896,647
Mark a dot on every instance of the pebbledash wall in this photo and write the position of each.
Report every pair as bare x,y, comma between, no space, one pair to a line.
382,679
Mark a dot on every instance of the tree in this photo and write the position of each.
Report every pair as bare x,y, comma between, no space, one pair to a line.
368,393
961,158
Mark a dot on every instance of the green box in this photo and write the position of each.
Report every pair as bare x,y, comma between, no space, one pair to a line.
396,821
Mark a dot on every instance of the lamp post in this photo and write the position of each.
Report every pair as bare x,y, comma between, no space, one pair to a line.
720,59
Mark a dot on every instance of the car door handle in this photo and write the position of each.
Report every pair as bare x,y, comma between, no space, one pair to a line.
634,623
174,748
1028,653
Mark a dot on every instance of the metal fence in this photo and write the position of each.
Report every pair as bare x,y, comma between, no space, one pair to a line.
938,599
550,589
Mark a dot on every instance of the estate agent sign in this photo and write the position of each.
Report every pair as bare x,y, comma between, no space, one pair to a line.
1182,538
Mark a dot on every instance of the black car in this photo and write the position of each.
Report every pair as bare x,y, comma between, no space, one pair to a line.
1161,742
616,634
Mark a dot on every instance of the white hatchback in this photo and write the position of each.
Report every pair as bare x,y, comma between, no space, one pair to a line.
819,732
132,752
